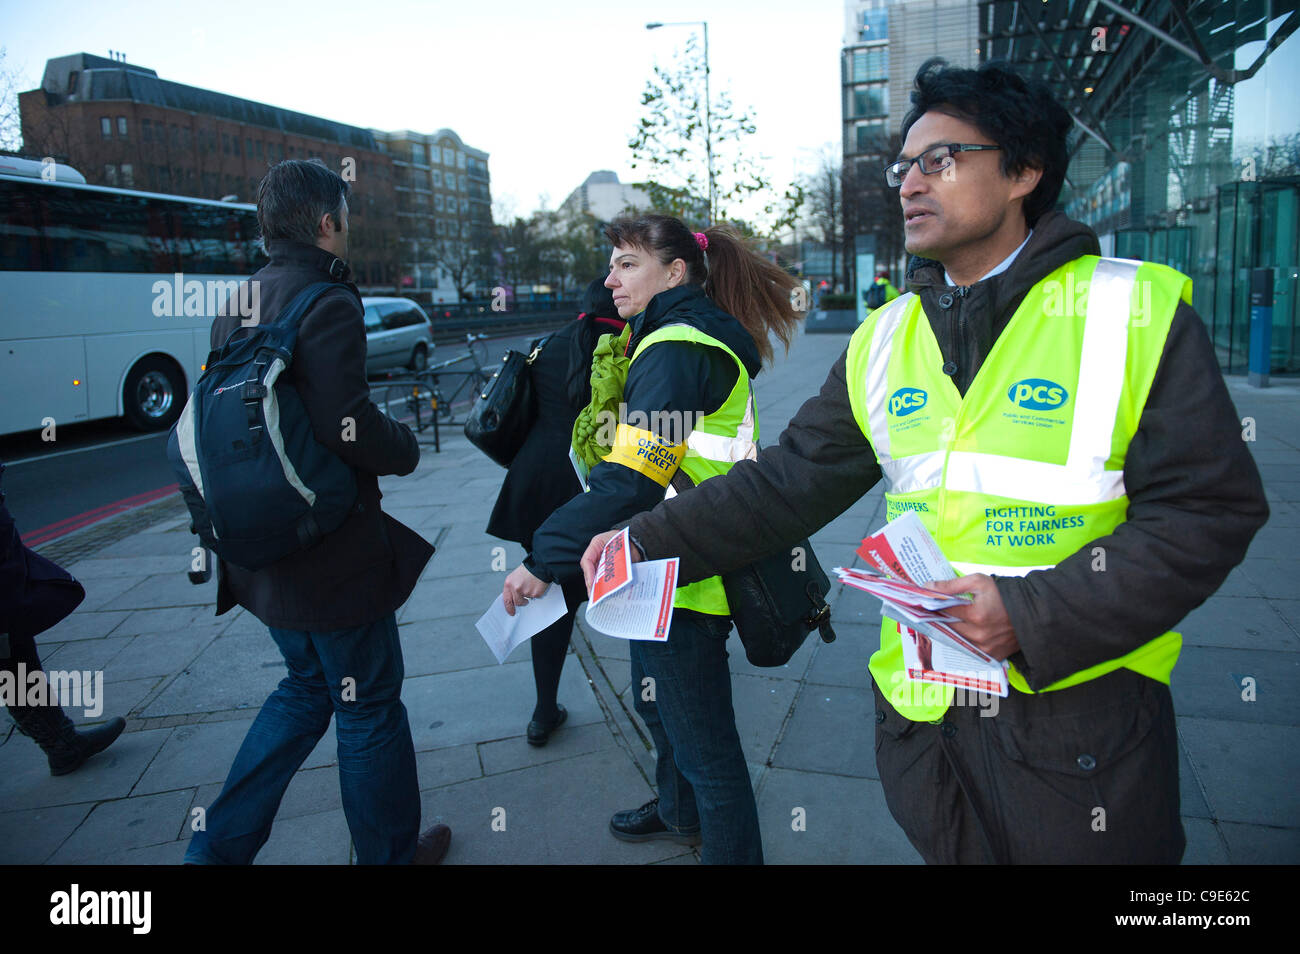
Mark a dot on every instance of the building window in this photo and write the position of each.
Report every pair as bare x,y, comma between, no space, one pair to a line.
437,202
417,152
110,175
145,132
448,156
437,178
460,161
106,127
461,184
128,178
121,126
464,206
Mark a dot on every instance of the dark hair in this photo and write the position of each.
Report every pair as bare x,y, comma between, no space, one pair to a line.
752,289
1018,114
292,197
598,301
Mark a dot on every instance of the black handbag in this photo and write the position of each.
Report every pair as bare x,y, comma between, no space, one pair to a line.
504,412
776,601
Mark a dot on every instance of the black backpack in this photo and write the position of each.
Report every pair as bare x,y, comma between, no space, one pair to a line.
257,483
876,295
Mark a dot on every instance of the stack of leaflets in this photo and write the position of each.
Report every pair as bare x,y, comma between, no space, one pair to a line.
901,557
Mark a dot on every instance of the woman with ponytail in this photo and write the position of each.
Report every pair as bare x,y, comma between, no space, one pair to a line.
702,309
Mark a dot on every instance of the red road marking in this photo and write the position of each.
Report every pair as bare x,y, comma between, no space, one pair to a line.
63,527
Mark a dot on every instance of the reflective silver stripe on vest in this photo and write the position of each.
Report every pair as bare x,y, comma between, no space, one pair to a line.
271,409
1103,359
727,449
888,318
1083,479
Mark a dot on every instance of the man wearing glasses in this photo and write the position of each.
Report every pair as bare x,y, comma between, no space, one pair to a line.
1074,452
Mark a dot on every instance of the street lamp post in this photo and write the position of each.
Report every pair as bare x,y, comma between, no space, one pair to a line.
708,103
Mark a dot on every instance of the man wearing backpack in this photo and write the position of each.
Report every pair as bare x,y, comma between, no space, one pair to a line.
331,608
880,292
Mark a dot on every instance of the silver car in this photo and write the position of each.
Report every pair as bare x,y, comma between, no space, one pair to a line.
398,335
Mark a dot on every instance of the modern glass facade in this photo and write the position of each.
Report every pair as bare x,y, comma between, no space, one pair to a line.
1187,142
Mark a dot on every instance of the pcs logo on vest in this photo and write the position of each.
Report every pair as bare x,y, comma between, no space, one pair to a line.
1037,394
906,400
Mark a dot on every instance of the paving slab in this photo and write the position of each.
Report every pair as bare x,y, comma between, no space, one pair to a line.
1261,845
30,837
1238,623
1248,770
844,662
84,654
234,671
566,742
318,839
26,781
195,755
1237,684
447,766
446,645
123,824
160,654
479,705
832,732
456,596
553,813
1205,845
809,818
83,624
1275,579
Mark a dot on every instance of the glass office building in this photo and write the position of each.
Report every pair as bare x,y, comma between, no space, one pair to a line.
1186,148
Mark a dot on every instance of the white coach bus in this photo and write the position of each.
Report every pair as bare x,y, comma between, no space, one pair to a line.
107,295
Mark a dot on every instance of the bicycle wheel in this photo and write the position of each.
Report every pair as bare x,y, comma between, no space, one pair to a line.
478,348
442,407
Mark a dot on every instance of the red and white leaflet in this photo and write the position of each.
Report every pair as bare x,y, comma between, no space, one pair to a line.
614,571
641,610
903,549
927,659
901,557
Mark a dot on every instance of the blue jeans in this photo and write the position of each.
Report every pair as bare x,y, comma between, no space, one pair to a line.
354,675
701,774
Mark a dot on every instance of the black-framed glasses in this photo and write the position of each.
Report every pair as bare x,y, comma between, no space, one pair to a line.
935,159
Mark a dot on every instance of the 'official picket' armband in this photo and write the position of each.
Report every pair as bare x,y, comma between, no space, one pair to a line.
647,453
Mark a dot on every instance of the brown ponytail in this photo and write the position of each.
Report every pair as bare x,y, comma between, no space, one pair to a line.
749,287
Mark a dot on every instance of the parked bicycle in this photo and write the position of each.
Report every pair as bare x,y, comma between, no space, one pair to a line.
472,381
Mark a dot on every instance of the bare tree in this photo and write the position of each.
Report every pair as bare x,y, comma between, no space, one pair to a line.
11,133
871,207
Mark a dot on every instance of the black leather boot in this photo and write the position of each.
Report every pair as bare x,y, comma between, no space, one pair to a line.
65,747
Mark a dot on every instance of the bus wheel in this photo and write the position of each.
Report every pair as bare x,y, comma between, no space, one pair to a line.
154,395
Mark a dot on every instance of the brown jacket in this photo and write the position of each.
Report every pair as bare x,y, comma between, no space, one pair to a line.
368,567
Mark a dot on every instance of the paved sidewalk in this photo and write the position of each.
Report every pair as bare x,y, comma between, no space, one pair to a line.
190,684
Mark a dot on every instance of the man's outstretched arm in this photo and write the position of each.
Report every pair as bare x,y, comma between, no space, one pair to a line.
822,464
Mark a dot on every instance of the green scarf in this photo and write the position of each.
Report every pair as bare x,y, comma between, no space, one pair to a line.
608,375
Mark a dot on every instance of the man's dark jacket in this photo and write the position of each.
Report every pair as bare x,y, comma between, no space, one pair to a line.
368,567
1195,496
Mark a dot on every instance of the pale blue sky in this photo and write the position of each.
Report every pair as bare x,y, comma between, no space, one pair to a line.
550,90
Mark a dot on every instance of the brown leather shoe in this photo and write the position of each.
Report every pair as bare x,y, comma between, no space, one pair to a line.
432,846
